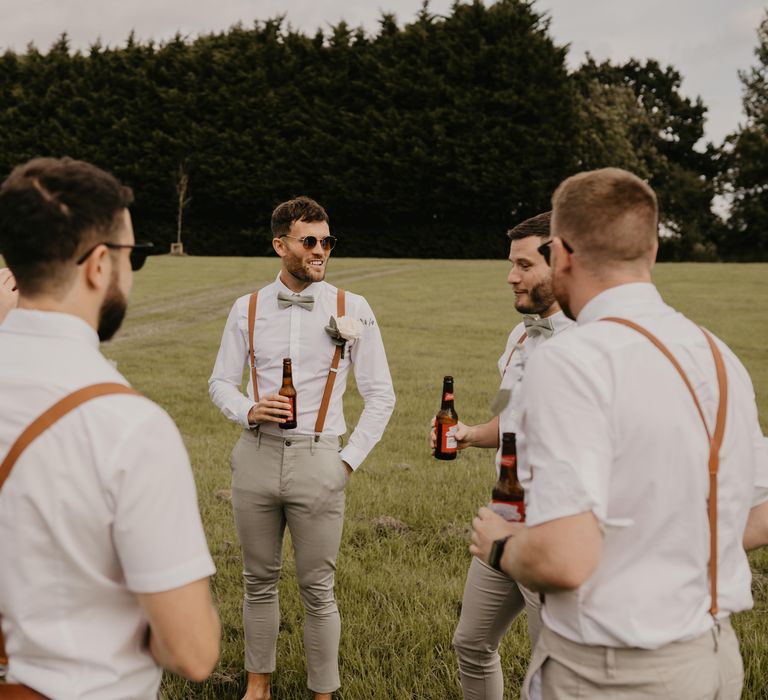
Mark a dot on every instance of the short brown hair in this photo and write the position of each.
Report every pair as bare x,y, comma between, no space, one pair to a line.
608,215
298,209
52,210
538,225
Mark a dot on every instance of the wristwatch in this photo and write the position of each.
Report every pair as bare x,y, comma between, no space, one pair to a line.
497,550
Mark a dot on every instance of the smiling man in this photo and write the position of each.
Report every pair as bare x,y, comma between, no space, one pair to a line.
297,477
491,599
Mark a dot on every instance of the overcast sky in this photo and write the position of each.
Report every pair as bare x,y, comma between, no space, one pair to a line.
708,41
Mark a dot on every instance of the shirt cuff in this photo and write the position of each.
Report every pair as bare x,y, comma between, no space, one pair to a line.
248,405
353,456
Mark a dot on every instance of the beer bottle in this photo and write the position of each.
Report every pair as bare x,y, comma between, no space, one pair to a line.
508,497
446,424
289,391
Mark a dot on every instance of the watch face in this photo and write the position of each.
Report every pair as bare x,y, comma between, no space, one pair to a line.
497,549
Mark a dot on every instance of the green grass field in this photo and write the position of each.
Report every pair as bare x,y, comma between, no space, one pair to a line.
398,590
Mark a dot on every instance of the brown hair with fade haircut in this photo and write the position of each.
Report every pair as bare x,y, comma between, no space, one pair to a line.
606,216
298,209
51,211
538,225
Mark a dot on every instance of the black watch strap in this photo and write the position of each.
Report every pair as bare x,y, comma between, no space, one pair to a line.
497,550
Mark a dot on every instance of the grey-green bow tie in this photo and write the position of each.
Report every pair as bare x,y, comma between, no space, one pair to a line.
538,326
285,300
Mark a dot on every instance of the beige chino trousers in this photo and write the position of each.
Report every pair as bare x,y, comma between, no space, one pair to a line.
297,482
708,667
491,602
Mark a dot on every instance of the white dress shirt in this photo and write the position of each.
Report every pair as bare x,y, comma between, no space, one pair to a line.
101,506
512,372
608,426
300,334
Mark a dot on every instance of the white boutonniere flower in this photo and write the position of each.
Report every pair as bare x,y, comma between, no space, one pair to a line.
342,330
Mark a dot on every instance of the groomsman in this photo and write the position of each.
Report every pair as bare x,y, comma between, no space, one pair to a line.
103,561
645,469
492,600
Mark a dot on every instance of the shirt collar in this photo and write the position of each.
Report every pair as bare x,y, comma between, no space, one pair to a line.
560,321
51,324
623,300
313,289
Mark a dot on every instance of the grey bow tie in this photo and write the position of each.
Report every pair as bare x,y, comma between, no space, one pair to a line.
538,326
285,300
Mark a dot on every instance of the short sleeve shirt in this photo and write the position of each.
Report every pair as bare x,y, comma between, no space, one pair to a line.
608,426
101,506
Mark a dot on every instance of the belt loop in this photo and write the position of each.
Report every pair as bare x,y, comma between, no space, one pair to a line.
716,635
610,662
258,437
313,445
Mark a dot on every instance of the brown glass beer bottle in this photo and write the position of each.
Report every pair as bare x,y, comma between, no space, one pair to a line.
508,497
288,391
446,424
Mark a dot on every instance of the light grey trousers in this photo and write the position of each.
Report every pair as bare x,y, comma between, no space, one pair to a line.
491,602
706,668
298,482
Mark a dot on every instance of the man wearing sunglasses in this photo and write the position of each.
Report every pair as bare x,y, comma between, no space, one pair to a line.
297,477
645,469
491,599
104,575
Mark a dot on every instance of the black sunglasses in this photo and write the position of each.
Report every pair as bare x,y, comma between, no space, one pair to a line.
139,252
545,252
309,242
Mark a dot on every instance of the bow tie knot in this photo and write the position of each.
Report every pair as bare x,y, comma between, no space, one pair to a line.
538,326
305,302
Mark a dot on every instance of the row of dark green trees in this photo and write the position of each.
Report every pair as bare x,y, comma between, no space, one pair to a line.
423,140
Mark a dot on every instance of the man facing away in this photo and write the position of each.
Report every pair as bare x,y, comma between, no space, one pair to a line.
104,576
491,599
616,462
297,477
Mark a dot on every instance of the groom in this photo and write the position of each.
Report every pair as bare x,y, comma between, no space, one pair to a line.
297,477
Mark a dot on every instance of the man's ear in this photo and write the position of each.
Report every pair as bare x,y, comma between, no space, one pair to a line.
654,252
279,246
97,268
562,261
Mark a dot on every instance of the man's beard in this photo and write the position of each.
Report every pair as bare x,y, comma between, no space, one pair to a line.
295,267
112,311
541,299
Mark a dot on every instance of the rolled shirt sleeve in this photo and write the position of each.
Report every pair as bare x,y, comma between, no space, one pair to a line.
564,440
157,529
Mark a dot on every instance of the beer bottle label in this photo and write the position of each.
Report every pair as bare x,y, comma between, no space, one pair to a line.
513,512
448,439
292,417
447,396
508,461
